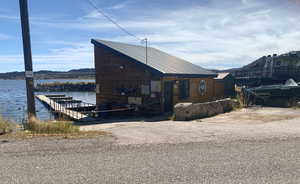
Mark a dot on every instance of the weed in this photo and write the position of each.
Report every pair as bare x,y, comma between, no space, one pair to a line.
56,127
6,126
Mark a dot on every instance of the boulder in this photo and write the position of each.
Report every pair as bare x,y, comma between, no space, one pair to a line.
182,110
191,111
227,104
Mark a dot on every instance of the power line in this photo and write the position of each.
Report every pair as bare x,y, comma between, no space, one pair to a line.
145,40
113,21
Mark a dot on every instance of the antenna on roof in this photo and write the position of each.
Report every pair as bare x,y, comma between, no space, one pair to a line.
146,42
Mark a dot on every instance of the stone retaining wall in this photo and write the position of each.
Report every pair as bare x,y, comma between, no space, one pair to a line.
191,111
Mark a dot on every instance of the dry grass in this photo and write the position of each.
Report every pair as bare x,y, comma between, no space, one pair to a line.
6,126
63,129
172,117
238,102
21,135
39,129
60,127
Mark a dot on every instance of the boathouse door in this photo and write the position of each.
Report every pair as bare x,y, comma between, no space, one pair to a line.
168,96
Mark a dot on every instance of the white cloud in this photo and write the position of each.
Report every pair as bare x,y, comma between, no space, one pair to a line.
216,35
76,55
217,38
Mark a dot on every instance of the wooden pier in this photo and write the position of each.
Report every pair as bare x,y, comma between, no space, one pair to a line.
76,110
65,106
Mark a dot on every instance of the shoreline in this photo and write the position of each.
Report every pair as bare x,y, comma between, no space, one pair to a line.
66,87
17,79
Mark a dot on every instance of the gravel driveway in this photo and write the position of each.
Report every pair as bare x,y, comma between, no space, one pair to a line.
252,123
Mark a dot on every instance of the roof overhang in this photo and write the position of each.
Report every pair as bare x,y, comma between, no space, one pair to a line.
147,67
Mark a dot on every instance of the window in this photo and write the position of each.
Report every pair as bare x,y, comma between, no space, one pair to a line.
184,87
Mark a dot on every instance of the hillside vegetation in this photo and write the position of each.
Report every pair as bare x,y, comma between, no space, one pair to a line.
45,74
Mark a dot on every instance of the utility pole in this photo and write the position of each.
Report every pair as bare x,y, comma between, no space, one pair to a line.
27,59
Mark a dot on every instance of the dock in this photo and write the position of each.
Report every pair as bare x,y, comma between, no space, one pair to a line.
76,110
67,107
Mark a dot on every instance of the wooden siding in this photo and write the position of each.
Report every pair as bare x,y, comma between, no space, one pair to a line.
115,74
219,89
194,94
225,87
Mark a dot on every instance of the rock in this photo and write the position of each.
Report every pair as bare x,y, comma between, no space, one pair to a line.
182,110
298,104
214,108
227,104
190,111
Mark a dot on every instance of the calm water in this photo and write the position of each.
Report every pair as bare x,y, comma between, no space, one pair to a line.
13,99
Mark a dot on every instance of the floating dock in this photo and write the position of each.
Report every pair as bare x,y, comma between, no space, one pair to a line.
67,107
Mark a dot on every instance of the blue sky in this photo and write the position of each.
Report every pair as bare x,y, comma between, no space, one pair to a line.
211,33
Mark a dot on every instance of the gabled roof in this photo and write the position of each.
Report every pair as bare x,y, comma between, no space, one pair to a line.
158,61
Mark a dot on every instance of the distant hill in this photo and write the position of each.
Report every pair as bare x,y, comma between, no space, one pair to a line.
85,73
232,70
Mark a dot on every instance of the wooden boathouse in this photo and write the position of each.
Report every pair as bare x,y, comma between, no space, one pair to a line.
125,77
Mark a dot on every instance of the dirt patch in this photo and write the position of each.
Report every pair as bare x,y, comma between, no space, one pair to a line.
265,118
255,116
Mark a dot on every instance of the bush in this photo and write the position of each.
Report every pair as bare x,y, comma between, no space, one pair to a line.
6,126
60,127
238,102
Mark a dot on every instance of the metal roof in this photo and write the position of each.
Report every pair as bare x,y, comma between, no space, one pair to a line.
222,76
158,60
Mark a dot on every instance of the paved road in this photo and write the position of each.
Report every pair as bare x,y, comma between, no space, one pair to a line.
101,160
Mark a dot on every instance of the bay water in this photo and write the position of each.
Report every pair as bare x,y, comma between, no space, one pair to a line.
13,99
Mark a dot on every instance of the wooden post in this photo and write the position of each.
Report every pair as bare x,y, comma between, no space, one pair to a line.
27,59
